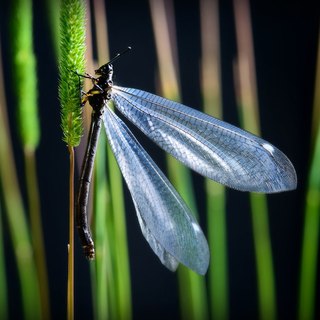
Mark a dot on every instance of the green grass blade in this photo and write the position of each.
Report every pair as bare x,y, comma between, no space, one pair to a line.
115,263
217,236
102,206
249,115
121,255
215,193
263,252
310,241
24,73
15,215
193,299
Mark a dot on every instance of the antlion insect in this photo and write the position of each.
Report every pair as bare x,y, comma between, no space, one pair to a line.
211,147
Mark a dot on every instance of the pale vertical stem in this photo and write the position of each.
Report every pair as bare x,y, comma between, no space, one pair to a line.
246,76
310,240
193,299
216,207
100,19
248,104
70,287
166,46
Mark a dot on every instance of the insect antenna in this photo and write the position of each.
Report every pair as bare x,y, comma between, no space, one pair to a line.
119,54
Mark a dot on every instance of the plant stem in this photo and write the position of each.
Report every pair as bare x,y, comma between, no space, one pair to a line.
215,193
102,207
70,289
249,116
36,229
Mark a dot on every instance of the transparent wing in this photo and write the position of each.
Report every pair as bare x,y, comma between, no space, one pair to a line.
166,222
213,148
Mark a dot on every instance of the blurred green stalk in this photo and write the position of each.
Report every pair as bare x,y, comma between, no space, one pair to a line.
24,73
18,227
249,115
310,242
216,199
193,299
120,248
112,276
53,14
102,265
3,287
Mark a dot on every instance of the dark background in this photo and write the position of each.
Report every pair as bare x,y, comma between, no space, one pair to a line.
285,40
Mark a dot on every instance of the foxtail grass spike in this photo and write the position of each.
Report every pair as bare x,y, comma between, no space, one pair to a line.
72,61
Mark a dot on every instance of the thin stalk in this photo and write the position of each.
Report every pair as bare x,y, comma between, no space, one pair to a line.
36,229
102,263
310,241
193,299
3,281
70,287
215,193
249,114
121,262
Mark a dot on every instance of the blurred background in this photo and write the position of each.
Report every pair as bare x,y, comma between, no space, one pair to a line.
285,39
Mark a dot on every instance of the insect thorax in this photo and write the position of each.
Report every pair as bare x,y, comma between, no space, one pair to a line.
100,94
